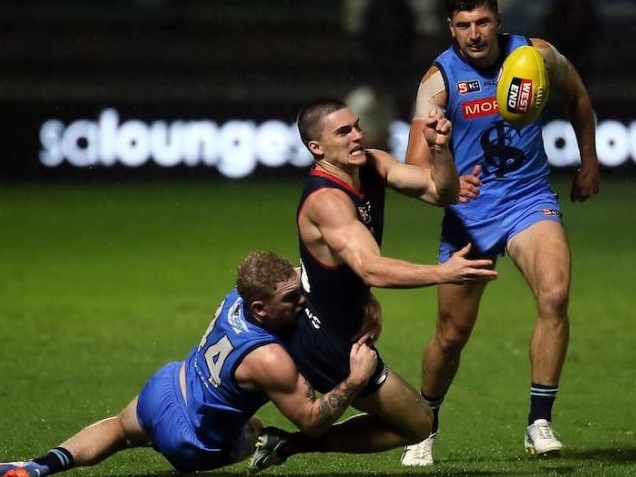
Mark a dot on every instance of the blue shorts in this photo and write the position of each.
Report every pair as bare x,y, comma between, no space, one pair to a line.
490,236
161,411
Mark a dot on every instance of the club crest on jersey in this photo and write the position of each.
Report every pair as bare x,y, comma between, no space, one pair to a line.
235,317
364,212
465,87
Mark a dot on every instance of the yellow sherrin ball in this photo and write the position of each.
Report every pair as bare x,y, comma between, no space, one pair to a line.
522,86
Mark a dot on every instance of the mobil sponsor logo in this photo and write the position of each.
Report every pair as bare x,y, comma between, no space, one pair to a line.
480,107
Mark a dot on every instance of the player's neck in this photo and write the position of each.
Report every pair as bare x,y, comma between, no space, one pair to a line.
349,175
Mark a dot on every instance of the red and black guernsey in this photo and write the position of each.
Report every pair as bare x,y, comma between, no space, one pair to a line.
336,295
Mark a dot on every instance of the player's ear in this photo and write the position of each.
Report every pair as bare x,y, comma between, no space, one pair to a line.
258,308
314,148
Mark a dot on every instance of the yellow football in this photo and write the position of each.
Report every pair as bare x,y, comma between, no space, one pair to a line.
522,86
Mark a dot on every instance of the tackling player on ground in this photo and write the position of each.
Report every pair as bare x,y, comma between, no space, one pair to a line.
199,412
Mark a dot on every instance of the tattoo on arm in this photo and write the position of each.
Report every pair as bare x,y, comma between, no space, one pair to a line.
311,393
333,404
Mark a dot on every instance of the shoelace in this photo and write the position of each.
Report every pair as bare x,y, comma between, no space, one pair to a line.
545,432
421,450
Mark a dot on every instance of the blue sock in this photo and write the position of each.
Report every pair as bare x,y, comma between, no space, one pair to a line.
55,460
541,401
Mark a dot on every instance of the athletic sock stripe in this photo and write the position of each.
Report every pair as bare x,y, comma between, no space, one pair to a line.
63,458
433,403
543,392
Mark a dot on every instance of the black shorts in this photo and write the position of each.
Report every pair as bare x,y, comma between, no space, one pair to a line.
323,358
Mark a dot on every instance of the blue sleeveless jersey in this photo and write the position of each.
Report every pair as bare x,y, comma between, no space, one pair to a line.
217,407
513,160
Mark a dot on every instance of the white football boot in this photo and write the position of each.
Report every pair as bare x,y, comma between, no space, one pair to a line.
420,454
542,440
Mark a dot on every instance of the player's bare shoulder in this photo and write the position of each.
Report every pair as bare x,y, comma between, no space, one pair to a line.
434,69
375,155
547,51
556,65
267,365
325,207
381,160
431,93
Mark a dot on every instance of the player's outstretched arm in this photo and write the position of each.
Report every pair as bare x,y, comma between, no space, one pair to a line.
464,269
333,216
272,369
437,185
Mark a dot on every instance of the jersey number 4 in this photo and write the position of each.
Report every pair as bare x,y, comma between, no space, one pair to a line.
215,356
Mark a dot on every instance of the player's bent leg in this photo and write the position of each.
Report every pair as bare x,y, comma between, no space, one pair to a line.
89,446
102,439
542,254
244,447
393,416
397,416
458,306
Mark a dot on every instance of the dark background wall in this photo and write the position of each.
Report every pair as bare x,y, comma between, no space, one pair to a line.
255,59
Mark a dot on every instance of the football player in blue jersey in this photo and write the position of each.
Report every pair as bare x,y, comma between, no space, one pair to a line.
199,412
340,220
506,206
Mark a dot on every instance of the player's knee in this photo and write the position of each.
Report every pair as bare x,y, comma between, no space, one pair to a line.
554,301
453,331
451,339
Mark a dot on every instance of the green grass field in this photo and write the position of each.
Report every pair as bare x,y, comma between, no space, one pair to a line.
101,284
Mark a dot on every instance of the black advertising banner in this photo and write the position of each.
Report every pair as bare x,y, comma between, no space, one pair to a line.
223,140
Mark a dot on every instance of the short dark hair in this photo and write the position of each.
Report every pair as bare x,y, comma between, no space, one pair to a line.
310,115
259,274
453,6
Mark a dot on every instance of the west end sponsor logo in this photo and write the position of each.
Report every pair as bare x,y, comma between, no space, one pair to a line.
236,147
519,95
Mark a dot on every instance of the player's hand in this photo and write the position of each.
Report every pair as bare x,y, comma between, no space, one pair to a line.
469,185
363,360
371,326
461,269
586,183
437,129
